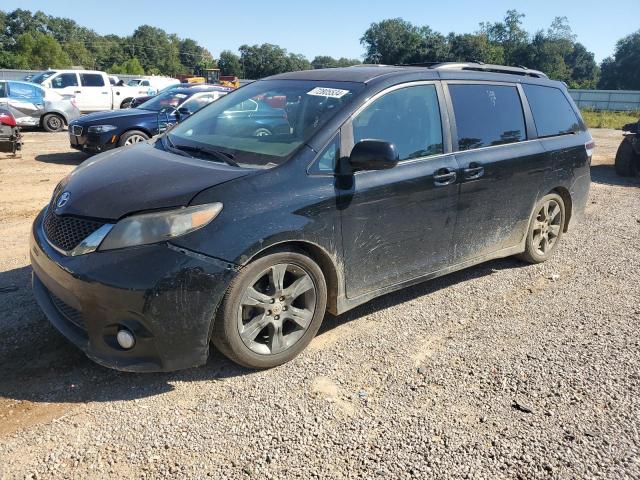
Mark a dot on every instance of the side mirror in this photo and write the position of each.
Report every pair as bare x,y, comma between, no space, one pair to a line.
373,155
183,112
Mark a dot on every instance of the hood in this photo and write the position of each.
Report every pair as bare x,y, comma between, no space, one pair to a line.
138,178
92,118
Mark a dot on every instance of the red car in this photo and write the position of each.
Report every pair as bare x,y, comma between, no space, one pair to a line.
10,138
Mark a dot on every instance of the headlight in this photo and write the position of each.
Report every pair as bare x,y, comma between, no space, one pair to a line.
159,226
101,128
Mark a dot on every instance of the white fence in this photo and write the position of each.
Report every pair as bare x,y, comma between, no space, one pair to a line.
616,100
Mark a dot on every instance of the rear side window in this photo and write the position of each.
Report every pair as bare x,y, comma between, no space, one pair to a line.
552,112
21,90
487,115
91,80
408,117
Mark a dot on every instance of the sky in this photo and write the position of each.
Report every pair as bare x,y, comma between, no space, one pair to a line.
331,27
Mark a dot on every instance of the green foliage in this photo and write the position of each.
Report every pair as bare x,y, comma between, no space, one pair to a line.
605,119
622,71
230,64
131,67
325,61
260,61
39,41
554,51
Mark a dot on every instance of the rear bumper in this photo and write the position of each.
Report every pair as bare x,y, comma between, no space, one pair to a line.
165,295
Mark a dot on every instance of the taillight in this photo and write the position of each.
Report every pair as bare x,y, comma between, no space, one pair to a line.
590,147
7,119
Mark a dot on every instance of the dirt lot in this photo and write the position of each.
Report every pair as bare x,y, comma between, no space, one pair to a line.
500,371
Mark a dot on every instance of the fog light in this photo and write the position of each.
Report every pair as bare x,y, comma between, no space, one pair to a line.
125,339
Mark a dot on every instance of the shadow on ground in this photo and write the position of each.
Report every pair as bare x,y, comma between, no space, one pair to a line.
63,158
38,365
606,175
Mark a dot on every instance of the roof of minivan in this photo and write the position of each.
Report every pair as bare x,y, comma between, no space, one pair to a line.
369,73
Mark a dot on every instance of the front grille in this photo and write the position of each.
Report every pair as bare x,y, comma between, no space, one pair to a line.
68,312
76,130
67,232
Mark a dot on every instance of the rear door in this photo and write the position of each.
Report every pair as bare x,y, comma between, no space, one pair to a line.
502,166
95,92
398,224
26,103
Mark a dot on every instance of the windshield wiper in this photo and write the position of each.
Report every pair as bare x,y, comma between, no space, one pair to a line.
220,155
170,146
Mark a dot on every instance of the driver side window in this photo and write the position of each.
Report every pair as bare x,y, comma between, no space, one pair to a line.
408,117
65,80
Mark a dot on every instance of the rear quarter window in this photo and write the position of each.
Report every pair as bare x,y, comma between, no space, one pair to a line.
552,112
487,115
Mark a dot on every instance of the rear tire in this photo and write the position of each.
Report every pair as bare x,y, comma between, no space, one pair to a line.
126,103
271,310
52,122
131,137
546,227
627,159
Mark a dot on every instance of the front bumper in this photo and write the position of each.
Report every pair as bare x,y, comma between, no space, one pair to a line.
165,295
93,142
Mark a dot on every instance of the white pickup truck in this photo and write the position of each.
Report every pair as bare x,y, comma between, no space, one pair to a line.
92,89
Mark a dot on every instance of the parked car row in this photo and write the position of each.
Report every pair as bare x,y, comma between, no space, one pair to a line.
100,131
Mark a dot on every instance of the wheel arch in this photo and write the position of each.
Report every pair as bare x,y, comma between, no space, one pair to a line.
54,112
319,255
568,204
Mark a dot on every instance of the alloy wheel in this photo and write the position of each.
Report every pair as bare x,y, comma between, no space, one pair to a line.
54,123
547,227
134,139
276,309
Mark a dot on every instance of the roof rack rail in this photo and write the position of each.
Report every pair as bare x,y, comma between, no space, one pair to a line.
485,67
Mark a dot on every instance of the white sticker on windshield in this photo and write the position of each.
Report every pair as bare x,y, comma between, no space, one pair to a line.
328,92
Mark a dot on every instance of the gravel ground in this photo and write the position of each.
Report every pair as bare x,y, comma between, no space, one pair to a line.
499,371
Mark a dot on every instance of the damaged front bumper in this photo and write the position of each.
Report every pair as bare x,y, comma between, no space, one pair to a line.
165,295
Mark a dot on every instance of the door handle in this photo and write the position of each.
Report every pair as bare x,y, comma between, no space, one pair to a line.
474,171
444,176
105,93
78,91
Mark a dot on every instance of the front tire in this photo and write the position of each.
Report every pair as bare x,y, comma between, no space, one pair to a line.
627,160
52,122
545,229
131,137
271,310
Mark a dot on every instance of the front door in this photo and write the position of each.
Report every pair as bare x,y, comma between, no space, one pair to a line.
502,167
398,224
67,84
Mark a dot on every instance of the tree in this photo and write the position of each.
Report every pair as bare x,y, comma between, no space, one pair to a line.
131,67
39,51
324,61
260,61
474,47
396,41
622,71
230,64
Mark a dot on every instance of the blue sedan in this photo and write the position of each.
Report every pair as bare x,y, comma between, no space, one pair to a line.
101,131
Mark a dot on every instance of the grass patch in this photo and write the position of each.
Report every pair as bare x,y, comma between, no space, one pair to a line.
605,119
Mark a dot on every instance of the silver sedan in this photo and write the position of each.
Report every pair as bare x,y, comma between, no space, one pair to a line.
35,106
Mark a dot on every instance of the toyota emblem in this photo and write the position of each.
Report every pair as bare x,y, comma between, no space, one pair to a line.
63,199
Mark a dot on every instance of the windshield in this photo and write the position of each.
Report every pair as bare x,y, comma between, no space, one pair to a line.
164,100
42,76
135,82
262,124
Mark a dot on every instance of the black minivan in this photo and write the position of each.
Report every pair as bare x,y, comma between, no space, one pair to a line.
384,177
